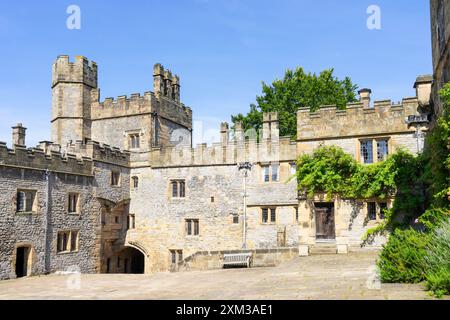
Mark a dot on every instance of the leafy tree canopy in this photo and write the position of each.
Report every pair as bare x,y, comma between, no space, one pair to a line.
296,90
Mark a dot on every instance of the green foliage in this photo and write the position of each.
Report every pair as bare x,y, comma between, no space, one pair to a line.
297,89
437,260
437,157
402,257
411,256
330,170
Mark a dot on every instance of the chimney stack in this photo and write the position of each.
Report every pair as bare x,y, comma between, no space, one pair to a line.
18,135
224,136
364,97
423,89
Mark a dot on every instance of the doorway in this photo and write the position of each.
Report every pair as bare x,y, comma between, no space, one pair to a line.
22,257
325,224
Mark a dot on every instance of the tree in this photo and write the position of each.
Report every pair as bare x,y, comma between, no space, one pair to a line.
296,90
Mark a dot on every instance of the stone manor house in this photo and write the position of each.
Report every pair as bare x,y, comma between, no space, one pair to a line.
121,189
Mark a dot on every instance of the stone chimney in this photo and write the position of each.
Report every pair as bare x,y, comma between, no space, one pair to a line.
270,126
158,79
423,89
239,132
18,135
224,133
364,97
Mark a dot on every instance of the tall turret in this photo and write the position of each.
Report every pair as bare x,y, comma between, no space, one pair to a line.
72,83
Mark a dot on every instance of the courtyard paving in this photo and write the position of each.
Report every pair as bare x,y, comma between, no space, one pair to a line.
315,277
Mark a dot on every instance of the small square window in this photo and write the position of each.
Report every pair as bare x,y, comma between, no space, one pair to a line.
265,173
296,214
178,188
293,168
382,150
115,178
73,203
67,241
383,208
372,211
367,151
268,215
26,201
192,227
134,141
265,215
135,182
235,219
273,215
275,168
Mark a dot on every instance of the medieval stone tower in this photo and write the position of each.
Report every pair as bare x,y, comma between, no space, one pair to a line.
72,83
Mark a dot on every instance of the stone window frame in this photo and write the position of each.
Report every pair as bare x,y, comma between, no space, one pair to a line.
26,205
134,182
77,205
379,216
296,215
134,140
235,216
131,222
180,188
175,256
72,242
115,182
374,154
269,221
268,177
292,168
192,227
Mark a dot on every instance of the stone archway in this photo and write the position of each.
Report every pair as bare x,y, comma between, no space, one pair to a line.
133,261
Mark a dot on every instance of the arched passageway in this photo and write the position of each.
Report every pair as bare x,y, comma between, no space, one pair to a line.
133,261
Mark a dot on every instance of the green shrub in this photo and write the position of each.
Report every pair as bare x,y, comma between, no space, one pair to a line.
402,257
436,262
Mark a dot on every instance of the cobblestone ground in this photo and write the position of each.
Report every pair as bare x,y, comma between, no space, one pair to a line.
315,277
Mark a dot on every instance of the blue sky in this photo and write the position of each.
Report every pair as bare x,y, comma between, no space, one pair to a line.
222,50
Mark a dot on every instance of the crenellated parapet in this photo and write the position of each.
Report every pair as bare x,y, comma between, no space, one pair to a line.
81,70
357,119
44,157
135,104
242,148
100,152
165,84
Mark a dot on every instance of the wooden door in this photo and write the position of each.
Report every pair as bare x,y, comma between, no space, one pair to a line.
325,228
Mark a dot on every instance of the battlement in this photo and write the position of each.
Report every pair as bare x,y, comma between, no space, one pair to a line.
100,152
165,84
233,153
137,104
120,106
44,157
81,70
244,147
356,119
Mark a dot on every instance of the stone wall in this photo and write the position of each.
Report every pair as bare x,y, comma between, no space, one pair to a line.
39,229
440,36
209,260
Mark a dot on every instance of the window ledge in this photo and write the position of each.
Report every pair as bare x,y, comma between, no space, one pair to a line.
66,252
26,213
74,213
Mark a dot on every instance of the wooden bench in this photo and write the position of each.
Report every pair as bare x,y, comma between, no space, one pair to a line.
237,260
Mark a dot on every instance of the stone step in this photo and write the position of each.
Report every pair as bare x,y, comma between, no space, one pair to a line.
320,249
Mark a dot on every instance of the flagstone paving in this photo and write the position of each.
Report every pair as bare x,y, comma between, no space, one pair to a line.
315,277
